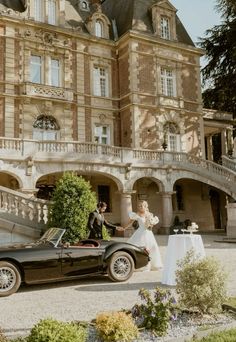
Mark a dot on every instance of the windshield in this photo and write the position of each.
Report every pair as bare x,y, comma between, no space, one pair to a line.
52,235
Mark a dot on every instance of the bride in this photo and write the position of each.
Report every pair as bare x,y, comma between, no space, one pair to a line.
144,236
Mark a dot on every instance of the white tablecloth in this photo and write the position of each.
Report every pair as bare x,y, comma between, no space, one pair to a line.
178,246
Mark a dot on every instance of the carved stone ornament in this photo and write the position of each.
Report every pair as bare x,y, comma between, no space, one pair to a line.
27,33
102,118
46,37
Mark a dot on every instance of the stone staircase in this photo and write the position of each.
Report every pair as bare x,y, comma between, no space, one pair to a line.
21,218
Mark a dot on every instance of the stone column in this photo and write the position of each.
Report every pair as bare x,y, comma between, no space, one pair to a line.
167,211
231,222
223,142
209,148
125,208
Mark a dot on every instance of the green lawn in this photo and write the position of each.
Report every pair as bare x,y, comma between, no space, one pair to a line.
223,336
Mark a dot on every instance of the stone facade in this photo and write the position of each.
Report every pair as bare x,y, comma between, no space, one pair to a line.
111,92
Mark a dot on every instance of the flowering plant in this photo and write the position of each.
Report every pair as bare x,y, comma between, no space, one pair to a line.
156,311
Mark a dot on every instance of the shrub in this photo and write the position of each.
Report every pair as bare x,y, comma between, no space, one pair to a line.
105,234
201,284
116,326
223,336
49,330
156,311
72,201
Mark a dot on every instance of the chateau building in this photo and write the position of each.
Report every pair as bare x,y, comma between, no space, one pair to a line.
111,91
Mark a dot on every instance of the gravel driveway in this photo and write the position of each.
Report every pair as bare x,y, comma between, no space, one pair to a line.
83,299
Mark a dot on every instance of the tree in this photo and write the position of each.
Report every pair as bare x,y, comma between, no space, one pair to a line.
219,75
72,201
17,5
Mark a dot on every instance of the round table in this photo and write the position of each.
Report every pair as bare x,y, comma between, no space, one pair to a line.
178,246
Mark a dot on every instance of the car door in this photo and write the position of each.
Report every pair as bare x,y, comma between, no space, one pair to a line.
42,264
81,260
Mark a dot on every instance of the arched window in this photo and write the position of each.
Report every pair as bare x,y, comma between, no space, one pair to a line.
84,6
98,28
172,137
45,128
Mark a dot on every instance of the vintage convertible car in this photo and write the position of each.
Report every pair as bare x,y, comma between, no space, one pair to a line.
49,259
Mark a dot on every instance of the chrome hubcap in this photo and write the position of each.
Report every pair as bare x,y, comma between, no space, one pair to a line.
122,266
7,279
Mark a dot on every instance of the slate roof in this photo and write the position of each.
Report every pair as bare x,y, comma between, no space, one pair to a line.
127,13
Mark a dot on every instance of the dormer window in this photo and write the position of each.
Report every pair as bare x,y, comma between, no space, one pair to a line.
98,25
164,20
98,28
165,28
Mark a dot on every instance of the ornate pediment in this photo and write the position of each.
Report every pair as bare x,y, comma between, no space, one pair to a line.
165,4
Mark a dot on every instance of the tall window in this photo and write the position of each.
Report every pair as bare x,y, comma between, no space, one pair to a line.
165,28
41,8
38,10
172,137
100,81
45,128
102,134
52,12
167,82
36,69
55,73
98,28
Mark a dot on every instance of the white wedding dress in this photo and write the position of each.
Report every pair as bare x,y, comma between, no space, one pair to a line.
144,237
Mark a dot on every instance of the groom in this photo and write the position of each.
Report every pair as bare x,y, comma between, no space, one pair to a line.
96,220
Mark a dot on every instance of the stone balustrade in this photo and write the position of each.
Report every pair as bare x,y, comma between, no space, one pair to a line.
23,209
230,163
97,153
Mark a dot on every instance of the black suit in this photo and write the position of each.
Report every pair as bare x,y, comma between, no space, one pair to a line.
95,223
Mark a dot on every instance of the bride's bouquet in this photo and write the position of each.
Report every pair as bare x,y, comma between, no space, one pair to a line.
150,221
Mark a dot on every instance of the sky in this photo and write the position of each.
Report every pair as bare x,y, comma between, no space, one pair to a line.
197,16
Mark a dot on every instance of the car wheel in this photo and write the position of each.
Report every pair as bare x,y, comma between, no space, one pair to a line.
10,278
120,267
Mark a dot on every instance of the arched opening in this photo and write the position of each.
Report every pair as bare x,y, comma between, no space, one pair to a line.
9,181
106,190
201,203
147,189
